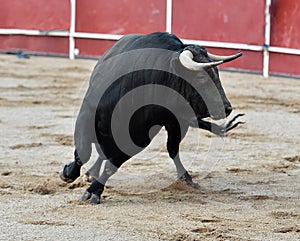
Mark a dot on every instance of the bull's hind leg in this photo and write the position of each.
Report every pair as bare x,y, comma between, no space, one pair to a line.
175,135
96,188
94,172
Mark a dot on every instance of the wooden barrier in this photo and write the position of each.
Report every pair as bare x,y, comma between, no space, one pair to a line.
45,27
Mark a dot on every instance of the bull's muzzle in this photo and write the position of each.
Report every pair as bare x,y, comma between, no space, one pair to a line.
218,116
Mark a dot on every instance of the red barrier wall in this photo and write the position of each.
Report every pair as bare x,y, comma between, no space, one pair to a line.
236,21
233,21
116,17
285,30
39,44
120,17
35,15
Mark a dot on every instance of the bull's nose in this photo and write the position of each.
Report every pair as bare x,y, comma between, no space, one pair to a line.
228,110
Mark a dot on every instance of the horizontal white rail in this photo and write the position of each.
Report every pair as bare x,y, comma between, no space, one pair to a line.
213,44
98,36
284,50
57,33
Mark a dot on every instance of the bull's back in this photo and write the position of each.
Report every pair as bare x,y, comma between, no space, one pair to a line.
120,46
138,41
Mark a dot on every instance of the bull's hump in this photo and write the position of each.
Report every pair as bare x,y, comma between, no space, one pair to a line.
138,41
120,45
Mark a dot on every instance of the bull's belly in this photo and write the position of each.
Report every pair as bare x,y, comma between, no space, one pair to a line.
120,145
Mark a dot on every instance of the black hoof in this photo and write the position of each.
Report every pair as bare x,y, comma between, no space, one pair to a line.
70,172
186,177
95,199
93,193
86,196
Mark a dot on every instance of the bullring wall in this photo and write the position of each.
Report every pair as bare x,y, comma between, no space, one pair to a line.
91,26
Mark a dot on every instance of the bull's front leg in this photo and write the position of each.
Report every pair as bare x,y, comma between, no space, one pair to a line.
71,171
175,135
82,155
83,138
220,130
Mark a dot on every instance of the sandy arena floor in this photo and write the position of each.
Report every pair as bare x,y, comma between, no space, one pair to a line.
249,181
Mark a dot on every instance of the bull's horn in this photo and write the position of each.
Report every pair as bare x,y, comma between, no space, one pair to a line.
224,58
186,59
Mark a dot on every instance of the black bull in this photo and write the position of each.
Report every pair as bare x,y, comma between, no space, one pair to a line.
142,83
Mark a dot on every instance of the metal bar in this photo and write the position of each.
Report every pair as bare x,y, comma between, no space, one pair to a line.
56,33
72,29
282,50
98,36
169,16
266,54
215,44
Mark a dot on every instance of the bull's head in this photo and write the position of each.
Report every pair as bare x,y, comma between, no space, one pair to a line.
196,58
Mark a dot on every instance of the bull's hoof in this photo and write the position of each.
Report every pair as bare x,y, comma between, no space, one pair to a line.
70,172
186,177
64,177
95,199
93,193
86,196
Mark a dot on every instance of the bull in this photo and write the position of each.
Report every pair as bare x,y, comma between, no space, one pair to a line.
141,84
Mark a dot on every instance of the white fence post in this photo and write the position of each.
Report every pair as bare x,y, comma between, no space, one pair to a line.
72,29
266,53
169,16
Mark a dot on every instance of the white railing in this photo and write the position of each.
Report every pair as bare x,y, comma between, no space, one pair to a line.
72,34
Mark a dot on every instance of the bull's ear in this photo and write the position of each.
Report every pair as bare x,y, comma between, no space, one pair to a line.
186,59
